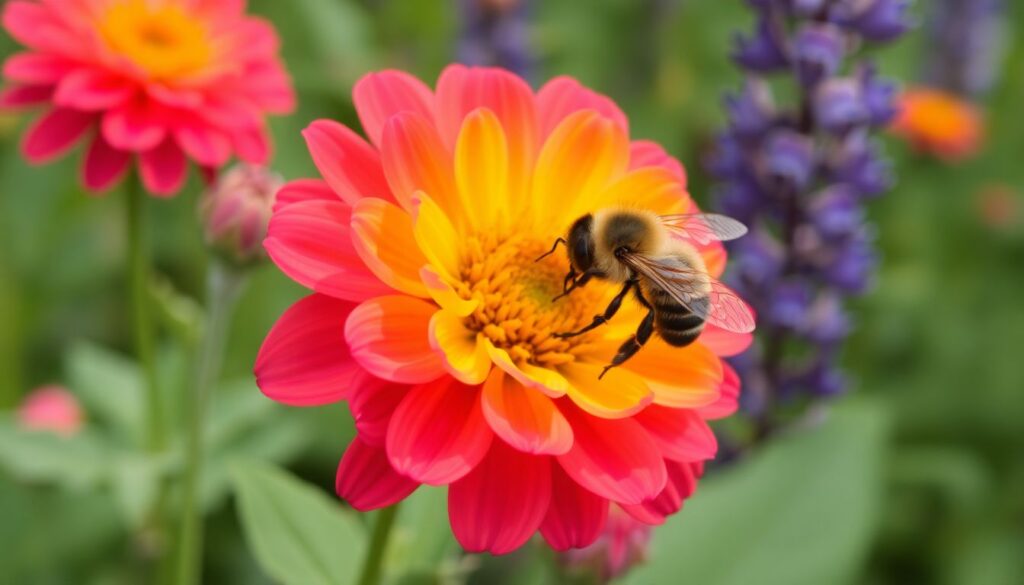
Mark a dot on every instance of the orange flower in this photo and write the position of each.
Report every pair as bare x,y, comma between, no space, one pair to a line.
433,319
939,123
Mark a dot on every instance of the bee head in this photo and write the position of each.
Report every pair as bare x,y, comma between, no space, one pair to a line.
581,243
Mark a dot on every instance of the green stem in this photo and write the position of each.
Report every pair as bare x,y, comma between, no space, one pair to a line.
378,545
139,274
224,284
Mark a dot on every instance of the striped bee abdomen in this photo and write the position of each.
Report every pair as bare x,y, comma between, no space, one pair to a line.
675,323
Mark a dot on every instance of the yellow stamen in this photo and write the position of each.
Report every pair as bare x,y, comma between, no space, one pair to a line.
516,312
162,39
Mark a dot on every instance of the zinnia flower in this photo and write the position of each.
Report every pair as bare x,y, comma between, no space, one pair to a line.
161,80
51,408
939,123
433,319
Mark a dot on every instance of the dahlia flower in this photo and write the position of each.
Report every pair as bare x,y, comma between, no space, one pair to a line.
163,81
433,319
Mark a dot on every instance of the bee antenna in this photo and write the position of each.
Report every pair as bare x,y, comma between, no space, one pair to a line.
552,250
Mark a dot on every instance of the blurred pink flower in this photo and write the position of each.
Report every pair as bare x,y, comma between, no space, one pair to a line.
157,81
51,408
621,545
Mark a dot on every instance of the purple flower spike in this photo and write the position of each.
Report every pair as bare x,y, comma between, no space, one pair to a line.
798,174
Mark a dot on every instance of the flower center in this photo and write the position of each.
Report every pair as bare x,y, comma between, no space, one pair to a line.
161,38
516,311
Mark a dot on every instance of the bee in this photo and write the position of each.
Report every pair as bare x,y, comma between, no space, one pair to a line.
654,257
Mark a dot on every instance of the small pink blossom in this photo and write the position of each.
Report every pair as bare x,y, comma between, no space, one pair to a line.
51,408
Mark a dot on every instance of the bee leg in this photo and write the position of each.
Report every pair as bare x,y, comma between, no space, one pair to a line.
552,250
633,344
609,312
570,278
582,280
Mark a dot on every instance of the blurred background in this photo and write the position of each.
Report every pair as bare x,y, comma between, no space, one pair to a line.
915,476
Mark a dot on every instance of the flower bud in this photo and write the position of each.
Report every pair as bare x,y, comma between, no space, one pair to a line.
51,408
621,545
236,210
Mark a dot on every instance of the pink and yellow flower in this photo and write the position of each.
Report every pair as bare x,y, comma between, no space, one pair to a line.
432,319
160,81
939,123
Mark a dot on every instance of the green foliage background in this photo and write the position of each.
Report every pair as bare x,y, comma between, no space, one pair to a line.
916,478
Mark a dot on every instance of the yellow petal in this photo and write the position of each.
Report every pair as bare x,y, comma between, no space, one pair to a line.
444,295
619,394
545,380
652,188
481,169
436,236
382,234
464,351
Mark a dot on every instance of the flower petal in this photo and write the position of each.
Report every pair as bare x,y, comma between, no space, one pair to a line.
584,154
724,343
645,153
349,165
499,506
563,96
304,360
679,377
444,295
618,394
92,90
366,480
54,133
379,96
575,517
388,336
463,352
205,145
681,434
133,126
103,165
382,235
438,433
415,159
524,418
728,402
651,188
372,403
615,459
37,68
310,241
682,482
163,169
436,237
303,190
25,96
544,380
481,170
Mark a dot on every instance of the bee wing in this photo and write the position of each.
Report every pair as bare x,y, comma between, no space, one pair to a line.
704,228
720,306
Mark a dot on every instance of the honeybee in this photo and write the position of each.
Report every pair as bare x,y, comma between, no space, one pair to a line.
654,257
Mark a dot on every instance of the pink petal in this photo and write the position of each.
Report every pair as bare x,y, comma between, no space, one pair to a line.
461,89
725,343
134,126
310,241
524,418
615,459
682,482
645,153
104,165
366,480
24,96
54,133
303,190
681,434
499,506
205,145
36,68
728,401
163,169
304,360
575,517
438,434
562,96
252,144
414,159
379,96
388,336
372,403
349,165
91,90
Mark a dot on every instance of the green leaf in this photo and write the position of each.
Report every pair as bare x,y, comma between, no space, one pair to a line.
802,511
110,387
81,460
298,534
422,541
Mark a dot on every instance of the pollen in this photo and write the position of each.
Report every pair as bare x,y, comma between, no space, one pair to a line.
517,312
162,39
